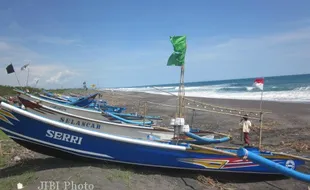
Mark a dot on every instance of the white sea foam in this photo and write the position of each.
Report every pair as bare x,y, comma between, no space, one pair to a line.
301,94
249,88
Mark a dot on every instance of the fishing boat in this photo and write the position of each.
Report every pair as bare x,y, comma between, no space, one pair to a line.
59,139
51,96
82,101
95,104
129,130
103,106
108,115
86,112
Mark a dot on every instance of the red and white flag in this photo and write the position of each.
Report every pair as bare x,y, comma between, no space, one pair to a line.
259,83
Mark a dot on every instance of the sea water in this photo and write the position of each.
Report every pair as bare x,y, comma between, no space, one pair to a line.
292,88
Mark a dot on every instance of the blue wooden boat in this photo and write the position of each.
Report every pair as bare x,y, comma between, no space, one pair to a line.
102,105
58,139
136,116
82,101
56,97
80,111
121,129
114,113
52,98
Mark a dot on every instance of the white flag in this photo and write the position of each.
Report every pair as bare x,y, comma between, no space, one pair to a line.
24,67
259,83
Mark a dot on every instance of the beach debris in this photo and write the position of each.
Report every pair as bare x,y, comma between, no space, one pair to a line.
300,146
20,186
16,159
209,181
206,180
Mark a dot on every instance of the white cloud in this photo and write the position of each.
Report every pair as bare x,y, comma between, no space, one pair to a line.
61,77
40,67
49,75
218,57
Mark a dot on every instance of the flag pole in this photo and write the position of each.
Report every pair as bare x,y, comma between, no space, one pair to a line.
261,120
27,77
17,79
181,93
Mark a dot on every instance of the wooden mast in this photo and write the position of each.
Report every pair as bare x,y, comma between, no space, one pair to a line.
181,94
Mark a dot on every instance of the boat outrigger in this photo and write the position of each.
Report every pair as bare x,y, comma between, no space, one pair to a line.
59,139
122,129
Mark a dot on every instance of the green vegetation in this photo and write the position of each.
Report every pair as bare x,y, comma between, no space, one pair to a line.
12,181
124,175
3,136
3,158
8,90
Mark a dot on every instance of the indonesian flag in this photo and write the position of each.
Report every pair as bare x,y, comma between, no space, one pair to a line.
259,83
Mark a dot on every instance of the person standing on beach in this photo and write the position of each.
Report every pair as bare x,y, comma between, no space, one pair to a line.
246,124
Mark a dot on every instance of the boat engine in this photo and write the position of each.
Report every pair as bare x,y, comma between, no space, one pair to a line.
179,126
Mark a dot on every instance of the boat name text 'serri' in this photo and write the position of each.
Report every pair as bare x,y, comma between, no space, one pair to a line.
64,137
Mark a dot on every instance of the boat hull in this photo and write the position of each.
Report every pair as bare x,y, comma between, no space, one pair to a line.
94,114
39,131
102,126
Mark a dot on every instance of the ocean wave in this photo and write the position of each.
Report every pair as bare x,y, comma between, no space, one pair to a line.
282,88
249,88
304,88
288,96
300,94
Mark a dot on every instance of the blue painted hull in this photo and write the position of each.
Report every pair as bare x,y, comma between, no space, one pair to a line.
27,127
84,101
81,101
53,99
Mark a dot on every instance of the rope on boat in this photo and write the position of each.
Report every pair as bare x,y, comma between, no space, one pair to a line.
213,149
220,108
163,128
274,153
291,155
217,133
204,110
226,147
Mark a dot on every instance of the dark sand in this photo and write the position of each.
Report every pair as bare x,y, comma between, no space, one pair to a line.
286,129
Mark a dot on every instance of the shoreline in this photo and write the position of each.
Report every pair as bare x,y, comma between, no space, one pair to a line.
237,99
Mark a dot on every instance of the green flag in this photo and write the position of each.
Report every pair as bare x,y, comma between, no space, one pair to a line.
179,43
177,58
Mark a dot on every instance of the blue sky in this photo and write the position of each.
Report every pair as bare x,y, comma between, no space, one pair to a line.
126,43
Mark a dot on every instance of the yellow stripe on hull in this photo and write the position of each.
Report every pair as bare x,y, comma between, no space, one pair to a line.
7,114
5,119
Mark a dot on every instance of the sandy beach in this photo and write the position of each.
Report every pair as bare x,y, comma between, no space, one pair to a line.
286,129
